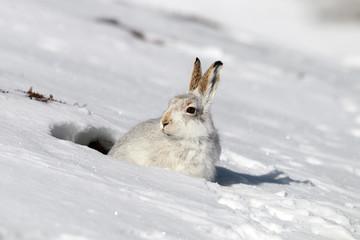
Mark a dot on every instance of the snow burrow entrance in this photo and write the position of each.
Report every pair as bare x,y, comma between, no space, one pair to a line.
100,139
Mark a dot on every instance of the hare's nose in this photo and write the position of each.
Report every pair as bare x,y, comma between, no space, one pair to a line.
164,124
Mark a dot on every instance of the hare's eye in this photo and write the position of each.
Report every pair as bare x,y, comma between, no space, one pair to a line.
190,110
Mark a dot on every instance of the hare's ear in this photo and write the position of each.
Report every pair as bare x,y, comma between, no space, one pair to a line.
195,76
209,82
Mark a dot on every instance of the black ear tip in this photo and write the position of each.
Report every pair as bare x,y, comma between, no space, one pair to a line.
197,60
218,64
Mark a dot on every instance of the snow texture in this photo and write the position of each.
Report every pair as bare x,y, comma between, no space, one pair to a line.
289,126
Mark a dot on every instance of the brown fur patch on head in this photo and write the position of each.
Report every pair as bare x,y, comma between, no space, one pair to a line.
195,75
185,104
189,103
166,118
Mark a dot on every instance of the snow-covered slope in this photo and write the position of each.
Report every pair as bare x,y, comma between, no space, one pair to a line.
290,129
327,29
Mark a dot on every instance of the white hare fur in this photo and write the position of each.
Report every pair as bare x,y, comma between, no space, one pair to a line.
184,139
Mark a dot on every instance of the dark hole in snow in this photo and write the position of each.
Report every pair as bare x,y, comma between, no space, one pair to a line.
100,139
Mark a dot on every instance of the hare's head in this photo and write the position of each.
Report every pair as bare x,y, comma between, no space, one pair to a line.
188,115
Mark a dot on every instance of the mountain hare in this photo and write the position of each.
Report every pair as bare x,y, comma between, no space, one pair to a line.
184,139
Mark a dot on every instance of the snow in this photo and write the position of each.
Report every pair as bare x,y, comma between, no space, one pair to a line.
289,126
292,24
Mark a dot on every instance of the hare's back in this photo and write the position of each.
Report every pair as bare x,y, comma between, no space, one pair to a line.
144,130
137,143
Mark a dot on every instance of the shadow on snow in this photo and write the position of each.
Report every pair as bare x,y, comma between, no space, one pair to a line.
226,177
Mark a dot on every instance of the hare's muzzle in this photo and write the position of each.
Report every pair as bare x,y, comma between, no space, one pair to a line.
165,120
